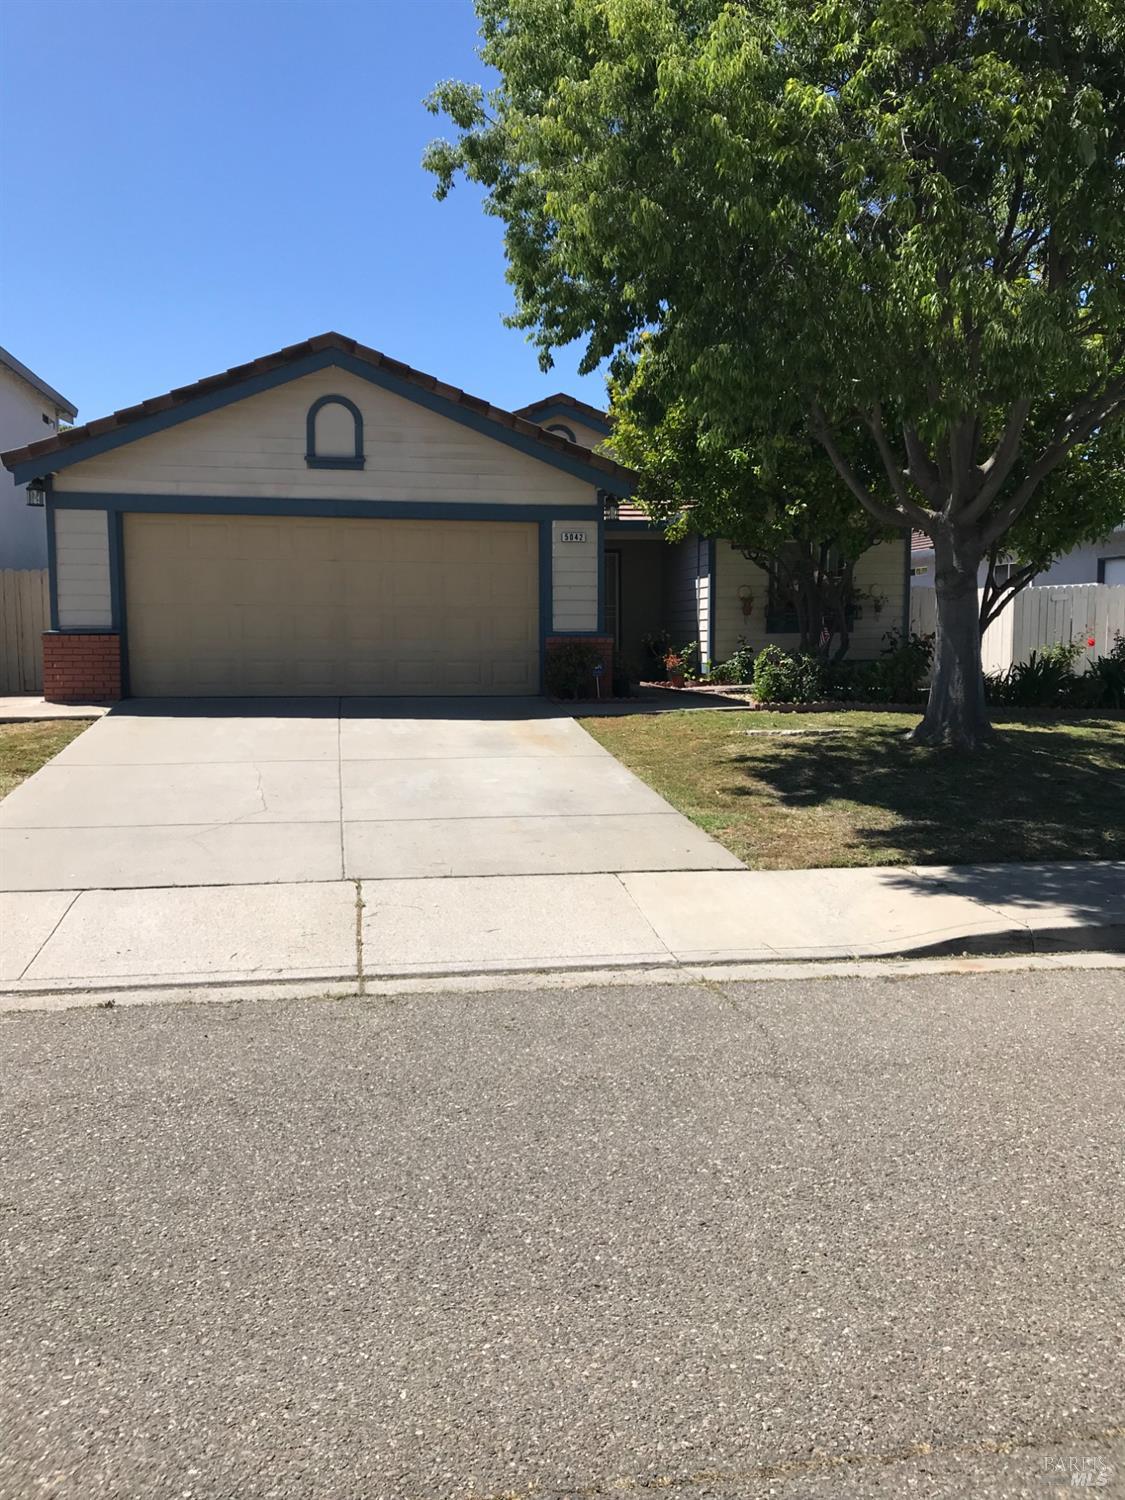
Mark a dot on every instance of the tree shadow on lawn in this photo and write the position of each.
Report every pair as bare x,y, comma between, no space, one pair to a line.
1050,793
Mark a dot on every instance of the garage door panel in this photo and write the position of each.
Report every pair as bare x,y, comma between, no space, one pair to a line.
241,604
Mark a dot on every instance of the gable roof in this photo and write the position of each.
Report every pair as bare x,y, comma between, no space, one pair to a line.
17,367
291,363
559,405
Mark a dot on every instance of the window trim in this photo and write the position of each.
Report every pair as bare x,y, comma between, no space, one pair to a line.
316,460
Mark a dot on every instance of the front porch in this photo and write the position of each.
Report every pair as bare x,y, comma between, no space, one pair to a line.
650,588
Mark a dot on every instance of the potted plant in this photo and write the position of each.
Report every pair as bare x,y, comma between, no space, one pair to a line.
674,667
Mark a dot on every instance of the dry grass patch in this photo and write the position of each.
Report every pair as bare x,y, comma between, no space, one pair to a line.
791,801
26,747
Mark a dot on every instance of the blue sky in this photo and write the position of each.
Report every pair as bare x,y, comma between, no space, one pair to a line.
188,184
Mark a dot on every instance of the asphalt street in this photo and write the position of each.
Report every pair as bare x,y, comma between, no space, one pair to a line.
822,1238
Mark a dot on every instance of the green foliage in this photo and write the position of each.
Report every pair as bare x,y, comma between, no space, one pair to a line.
1108,672
738,667
897,676
1047,679
569,669
689,656
887,223
782,677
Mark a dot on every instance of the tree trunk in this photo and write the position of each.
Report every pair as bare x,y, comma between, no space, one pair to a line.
956,713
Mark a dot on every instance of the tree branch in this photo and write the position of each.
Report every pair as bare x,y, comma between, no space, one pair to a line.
923,470
887,514
1074,428
997,468
895,474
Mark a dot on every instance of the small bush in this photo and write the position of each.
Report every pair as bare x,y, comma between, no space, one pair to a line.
689,659
1045,680
739,667
569,669
1109,674
780,677
901,671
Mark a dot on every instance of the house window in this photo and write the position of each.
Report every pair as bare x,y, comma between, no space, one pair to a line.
562,431
1111,570
781,601
334,434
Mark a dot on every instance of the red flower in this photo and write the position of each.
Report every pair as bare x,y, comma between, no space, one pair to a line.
1090,640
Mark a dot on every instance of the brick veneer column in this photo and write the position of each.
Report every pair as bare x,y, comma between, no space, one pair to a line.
81,668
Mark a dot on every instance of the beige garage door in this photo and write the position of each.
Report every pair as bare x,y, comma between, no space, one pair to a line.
249,604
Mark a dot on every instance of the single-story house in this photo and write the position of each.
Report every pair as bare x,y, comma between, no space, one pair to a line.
326,520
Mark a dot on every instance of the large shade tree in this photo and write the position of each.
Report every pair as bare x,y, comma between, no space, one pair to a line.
897,218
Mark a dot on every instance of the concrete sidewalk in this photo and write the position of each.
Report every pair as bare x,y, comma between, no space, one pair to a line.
349,931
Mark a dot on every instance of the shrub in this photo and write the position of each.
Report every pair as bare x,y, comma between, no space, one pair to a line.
689,659
780,677
569,669
657,646
1045,680
739,666
1109,674
902,669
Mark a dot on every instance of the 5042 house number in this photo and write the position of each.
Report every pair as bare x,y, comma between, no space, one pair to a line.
572,536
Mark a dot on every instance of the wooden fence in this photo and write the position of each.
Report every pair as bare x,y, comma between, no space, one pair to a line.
1040,617
25,613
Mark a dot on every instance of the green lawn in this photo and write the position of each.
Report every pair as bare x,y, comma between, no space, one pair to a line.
26,747
1044,791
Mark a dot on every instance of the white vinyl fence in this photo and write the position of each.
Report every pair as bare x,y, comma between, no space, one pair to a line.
25,613
1040,617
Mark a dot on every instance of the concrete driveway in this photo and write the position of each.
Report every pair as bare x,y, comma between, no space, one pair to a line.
247,792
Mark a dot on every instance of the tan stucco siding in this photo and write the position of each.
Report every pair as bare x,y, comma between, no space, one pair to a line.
82,569
880,570
256,447
574,566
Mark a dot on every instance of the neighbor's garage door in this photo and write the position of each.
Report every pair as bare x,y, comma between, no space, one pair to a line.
248,604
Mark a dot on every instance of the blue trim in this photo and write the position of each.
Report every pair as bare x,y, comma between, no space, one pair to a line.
255,505
116,573
710,603
52,563
568,414
84,630
117,593
600,570
310,364
315,461
613,527
546,596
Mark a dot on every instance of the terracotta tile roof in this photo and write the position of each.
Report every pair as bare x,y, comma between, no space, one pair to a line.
560,398
920,541
268,363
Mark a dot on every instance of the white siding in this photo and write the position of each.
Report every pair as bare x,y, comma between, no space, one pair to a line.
880,570
575,574
256,446
82,565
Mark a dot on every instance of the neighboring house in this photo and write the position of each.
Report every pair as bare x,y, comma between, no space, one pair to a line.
326,520
29,409
1098,562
